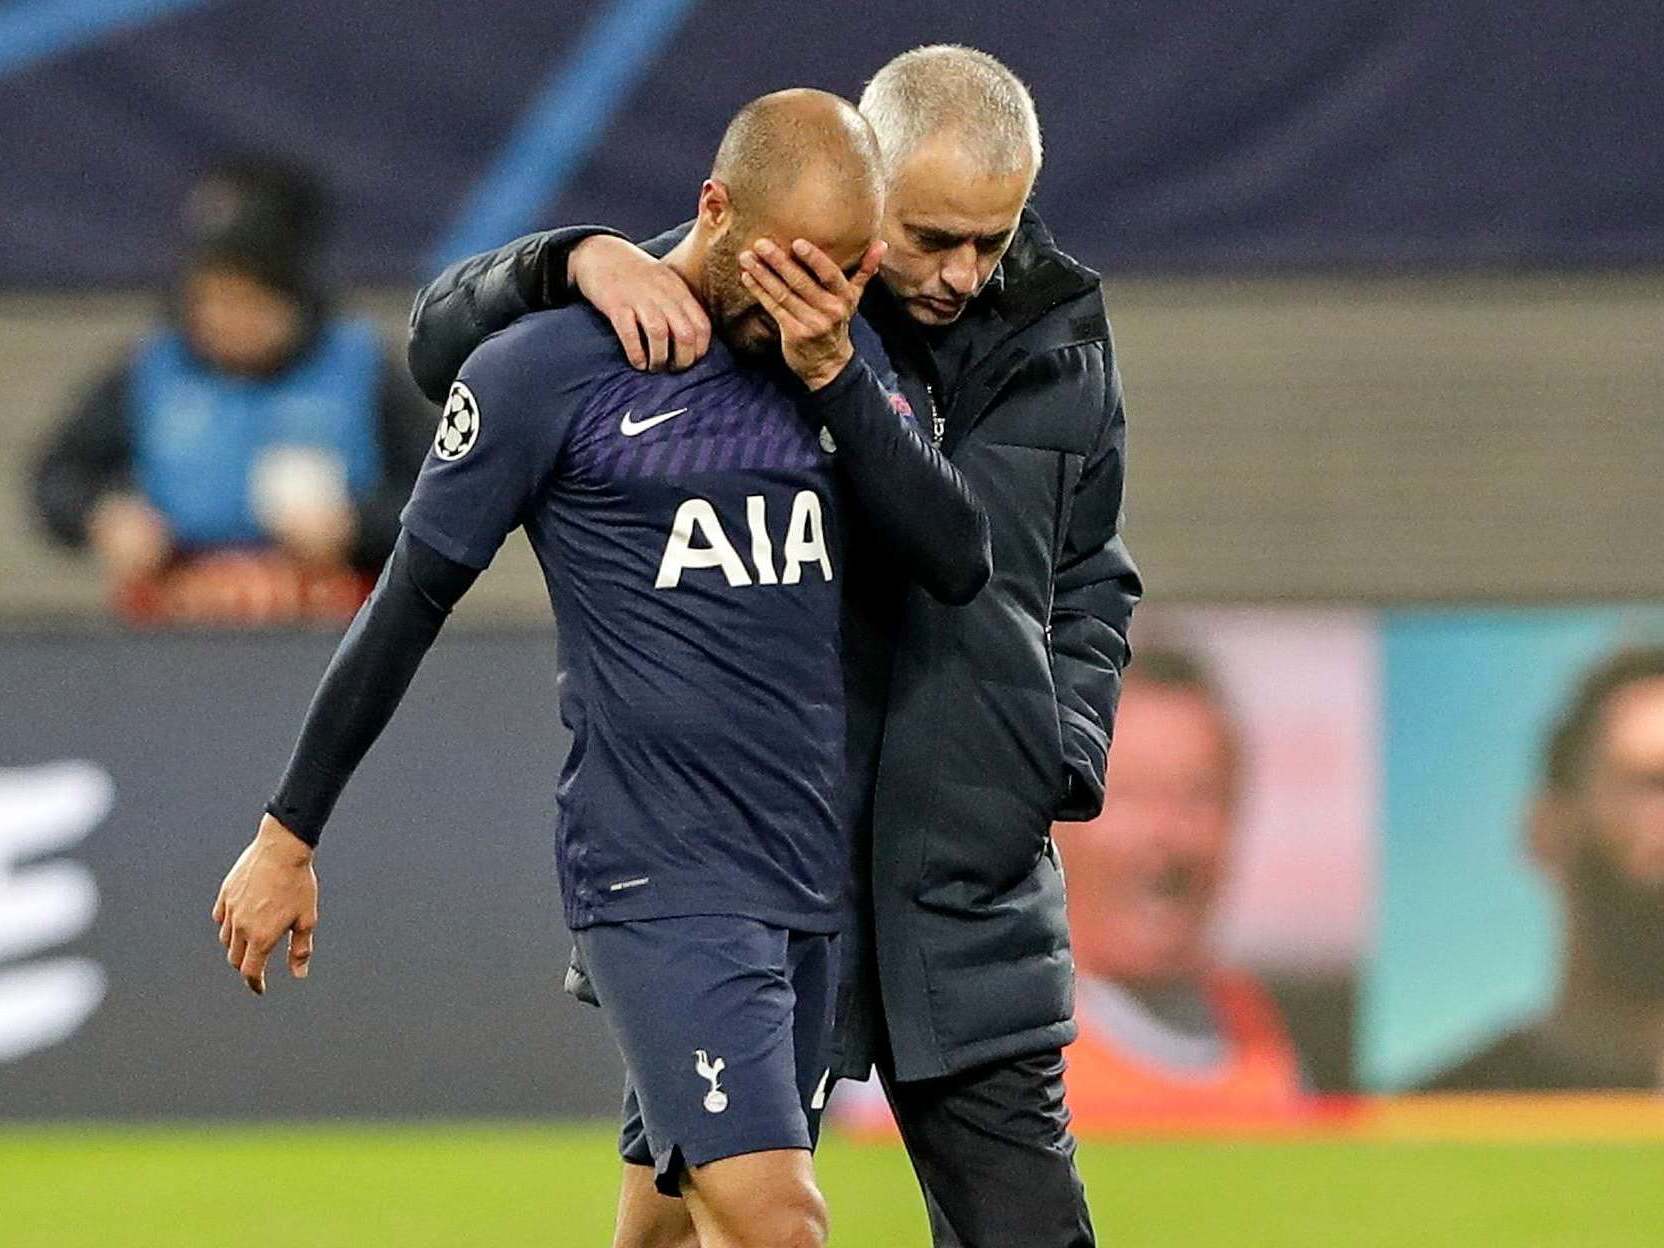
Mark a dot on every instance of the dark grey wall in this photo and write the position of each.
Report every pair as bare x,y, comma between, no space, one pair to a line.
1183,135
436,987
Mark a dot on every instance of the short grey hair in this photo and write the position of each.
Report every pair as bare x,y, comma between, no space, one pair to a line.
948,88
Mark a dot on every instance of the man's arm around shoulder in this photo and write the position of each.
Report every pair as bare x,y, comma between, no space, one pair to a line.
655,316
474,298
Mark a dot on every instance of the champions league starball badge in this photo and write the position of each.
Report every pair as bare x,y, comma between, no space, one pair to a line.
459,424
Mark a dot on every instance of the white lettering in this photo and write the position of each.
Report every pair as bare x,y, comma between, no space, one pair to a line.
43,810
805,539
696,518
680,554
762,545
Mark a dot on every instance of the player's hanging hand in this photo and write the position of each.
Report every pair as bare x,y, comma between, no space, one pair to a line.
271,892
811,300
658,321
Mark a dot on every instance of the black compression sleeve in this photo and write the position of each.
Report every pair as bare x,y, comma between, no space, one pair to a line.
911,495
366,680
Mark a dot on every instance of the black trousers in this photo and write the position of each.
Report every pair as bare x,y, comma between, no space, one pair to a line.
993,1153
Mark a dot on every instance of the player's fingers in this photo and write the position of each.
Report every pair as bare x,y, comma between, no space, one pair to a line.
775,307
657,333
829,275
629,336
219,906
225,930
782,262
236,949
253,967
799,280
765,280
300,951
870,264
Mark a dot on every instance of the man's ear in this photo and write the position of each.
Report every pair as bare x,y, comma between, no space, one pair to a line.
1550,827
716,209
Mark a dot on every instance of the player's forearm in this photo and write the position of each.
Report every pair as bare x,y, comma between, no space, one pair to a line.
911,495
366,680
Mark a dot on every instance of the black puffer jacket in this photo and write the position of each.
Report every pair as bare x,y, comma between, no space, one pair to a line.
999,712
996,716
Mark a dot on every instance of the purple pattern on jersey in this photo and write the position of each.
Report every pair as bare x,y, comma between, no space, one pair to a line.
735,421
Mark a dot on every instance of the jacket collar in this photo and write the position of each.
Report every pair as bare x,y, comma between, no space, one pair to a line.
1036,275
1032,279
1012,320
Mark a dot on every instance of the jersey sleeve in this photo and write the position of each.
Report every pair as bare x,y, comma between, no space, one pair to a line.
499,440
909,494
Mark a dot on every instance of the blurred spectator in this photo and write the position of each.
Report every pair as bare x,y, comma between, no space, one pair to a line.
1166,1033
1597,833
247,460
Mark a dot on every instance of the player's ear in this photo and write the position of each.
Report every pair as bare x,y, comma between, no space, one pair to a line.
716,207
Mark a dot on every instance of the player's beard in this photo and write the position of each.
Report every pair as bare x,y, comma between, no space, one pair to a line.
1624,921
738,319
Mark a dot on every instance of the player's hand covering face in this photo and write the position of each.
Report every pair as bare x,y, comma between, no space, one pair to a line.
815,239
270,892
811,301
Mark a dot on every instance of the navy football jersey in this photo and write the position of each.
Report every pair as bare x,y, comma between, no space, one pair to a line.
686,529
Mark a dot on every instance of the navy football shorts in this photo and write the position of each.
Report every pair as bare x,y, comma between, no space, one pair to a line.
725,1024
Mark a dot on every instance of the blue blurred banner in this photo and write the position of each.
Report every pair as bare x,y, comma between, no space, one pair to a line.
33,30
1179,136
1468,927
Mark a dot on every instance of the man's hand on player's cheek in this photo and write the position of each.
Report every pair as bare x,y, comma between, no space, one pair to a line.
658,321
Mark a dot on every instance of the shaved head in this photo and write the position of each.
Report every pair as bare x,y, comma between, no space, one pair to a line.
777,139
792,164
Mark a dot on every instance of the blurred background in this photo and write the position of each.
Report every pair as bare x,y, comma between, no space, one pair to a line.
1387,285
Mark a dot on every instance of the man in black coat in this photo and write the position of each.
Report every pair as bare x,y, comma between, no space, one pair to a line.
981,724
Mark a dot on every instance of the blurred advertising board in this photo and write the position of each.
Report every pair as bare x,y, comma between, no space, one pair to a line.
1331,865
133,770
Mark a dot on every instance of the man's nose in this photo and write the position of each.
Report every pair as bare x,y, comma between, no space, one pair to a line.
959,273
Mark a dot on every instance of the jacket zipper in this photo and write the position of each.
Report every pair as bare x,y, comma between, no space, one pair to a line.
1057,549
938,423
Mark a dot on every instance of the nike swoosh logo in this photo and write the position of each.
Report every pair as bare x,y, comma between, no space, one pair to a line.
635,428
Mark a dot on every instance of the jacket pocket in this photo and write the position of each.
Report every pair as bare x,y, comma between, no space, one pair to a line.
994,802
